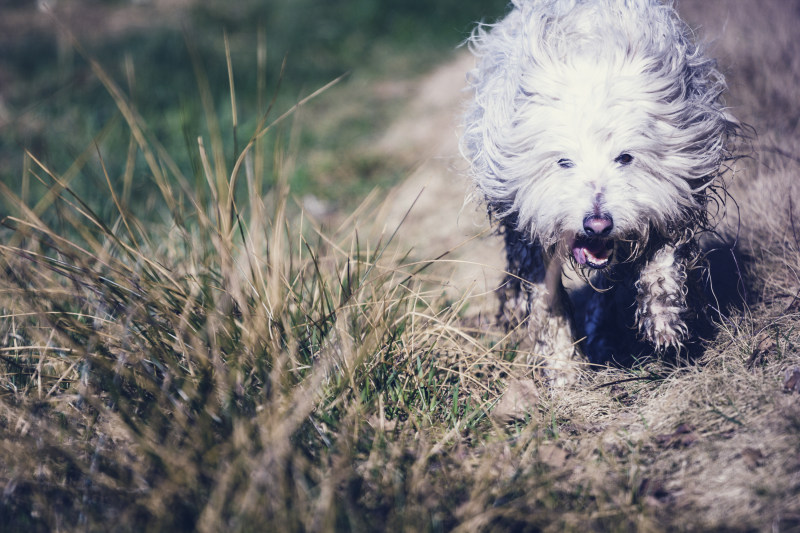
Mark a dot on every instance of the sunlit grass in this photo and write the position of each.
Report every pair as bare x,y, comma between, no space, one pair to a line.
210,371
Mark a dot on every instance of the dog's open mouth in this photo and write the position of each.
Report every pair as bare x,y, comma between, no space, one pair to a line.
595,253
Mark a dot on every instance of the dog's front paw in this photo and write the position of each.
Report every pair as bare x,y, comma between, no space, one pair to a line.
663,329
555,346
661,300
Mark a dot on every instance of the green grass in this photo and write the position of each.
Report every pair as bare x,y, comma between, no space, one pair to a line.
56,106
213,371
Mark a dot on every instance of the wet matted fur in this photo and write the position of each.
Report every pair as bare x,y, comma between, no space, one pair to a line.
596,135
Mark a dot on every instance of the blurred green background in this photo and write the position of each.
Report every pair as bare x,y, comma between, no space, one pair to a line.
52,104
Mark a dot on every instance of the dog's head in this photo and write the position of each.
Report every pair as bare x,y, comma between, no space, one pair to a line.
594,124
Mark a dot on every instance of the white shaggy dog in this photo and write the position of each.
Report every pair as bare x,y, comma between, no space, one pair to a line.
596,135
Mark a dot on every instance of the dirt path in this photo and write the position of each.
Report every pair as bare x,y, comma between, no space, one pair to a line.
435,199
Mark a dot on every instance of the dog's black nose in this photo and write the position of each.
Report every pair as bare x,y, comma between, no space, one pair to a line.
598,225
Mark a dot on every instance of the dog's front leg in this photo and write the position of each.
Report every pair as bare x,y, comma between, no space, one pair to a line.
661,299
532,292
548,326
550,329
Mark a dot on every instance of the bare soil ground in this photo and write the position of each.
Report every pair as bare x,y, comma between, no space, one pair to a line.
434,207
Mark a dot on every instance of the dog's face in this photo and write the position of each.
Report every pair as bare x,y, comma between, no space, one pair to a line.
595,164
594,125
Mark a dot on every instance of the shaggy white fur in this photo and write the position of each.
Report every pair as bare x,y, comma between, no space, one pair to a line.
594,135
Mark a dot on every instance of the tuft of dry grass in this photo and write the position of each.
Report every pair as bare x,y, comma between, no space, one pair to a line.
234,367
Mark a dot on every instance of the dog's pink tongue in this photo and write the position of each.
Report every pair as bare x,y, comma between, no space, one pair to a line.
579,253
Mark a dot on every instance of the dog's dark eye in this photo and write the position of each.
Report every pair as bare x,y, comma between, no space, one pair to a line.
565,163
624,159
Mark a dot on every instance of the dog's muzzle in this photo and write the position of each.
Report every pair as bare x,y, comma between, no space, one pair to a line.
594,247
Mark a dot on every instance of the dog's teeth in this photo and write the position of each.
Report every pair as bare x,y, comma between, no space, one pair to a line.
596,261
